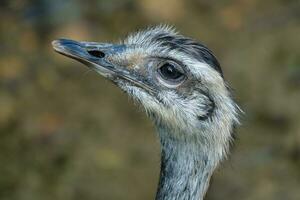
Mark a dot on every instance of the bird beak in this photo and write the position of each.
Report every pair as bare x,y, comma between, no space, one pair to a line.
91,54
94,55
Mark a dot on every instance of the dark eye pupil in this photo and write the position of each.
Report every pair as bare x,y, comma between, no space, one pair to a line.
168,71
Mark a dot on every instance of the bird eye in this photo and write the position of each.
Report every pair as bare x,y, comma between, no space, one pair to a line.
170,72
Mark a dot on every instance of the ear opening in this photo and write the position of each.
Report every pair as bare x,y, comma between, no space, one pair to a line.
209,108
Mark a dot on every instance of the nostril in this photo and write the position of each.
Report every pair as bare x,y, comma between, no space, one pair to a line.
96,53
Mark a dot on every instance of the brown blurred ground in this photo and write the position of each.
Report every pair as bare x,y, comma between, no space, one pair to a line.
66,133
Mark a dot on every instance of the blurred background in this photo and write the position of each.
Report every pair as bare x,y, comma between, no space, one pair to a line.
67,134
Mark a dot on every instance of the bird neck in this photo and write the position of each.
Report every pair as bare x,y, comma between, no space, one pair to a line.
186,168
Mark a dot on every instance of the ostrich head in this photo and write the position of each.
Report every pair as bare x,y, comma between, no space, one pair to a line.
180,84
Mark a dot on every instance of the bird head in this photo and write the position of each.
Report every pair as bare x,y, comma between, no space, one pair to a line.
177,80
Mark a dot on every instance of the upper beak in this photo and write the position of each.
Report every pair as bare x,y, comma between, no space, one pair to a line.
91,54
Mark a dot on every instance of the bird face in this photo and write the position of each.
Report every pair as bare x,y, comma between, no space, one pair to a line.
177,80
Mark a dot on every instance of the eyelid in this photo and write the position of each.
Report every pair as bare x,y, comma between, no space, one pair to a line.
164,59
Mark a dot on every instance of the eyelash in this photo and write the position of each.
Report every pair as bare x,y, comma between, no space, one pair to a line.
169,58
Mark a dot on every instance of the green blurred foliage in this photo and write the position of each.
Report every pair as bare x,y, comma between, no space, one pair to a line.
66,133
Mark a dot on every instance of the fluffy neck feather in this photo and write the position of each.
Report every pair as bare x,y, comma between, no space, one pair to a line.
186,168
